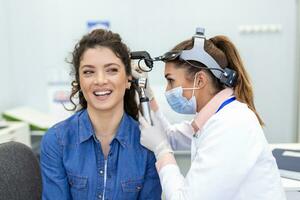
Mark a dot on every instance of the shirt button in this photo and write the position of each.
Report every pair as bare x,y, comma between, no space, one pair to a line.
138,187
100,196
101,172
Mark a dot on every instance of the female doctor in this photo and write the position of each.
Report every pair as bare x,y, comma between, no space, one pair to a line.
230,155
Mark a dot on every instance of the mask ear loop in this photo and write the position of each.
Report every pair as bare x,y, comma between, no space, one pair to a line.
194,88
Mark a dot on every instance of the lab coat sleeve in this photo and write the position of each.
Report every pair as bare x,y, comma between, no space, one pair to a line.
222,161
179,135
54,178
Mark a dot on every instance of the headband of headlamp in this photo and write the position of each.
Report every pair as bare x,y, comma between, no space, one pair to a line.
197,53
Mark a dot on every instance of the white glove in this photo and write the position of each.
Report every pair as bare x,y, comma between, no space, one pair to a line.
138,73
154,138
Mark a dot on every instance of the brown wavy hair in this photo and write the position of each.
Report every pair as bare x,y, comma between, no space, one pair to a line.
113,41
226,55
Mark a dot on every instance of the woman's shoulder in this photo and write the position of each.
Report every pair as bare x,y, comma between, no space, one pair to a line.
133,132
234,118
234,123
134,135
67,123
131,120
237,113
60,129
132,125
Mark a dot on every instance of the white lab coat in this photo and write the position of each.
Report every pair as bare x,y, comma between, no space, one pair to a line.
179,135
231,159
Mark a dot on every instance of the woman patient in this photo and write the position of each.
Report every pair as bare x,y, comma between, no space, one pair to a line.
96,153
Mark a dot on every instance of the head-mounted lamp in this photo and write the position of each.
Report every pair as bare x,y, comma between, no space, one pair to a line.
169,56
197,53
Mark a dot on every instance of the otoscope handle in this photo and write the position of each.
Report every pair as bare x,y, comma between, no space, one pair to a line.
145,109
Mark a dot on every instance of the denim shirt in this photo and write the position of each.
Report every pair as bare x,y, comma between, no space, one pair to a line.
72,163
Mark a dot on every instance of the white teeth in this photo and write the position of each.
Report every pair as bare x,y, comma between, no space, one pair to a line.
102,93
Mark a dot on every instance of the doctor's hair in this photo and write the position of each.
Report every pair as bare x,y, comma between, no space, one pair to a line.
113,41
226,55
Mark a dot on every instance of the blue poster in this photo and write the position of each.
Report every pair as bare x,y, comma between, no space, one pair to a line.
103,24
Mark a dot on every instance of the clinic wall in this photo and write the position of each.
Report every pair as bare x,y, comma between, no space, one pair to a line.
7,84
298,62
42,33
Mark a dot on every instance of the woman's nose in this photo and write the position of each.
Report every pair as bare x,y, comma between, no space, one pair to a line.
167,88
100,79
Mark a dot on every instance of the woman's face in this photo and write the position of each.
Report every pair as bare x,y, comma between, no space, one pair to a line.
103,79
177,77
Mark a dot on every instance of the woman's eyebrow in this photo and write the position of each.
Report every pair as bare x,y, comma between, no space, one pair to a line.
167,75
110,64
105,66
87,66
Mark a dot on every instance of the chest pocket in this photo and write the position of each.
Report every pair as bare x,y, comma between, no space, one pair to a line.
78,186
131,188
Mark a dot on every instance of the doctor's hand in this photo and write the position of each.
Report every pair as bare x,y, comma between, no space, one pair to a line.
138,73
154,138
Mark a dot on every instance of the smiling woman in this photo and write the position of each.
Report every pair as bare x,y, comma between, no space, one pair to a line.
103,80
96,154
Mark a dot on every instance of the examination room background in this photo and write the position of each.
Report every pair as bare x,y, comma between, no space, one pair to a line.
37,35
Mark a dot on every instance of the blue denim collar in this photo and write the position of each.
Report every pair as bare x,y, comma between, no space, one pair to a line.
86,130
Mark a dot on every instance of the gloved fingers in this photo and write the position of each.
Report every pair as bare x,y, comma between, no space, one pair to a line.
157,121
143,122
135,67
143,141
137,72
149,92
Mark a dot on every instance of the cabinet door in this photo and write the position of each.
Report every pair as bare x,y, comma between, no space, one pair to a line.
16,131
23,135
293,195
7,137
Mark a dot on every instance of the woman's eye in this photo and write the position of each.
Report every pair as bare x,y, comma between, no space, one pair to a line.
88,72
112,70
170,80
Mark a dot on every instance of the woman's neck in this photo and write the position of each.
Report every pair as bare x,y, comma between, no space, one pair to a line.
204,97
106,123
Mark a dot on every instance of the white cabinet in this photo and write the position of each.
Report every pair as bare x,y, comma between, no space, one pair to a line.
292,188
16,131
292,195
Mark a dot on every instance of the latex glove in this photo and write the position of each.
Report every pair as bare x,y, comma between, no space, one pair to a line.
154,138
138,73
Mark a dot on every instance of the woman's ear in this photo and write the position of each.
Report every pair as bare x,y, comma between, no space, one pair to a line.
200,79
129,82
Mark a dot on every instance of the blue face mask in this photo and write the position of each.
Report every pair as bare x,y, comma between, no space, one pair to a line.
179,103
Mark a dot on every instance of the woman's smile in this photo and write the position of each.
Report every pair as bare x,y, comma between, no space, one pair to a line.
103,94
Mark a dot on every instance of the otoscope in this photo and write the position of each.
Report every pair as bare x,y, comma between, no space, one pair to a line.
141,83
144,100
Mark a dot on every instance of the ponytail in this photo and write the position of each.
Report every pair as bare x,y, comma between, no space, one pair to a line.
243,89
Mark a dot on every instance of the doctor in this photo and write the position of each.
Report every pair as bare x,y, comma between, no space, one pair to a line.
230,155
